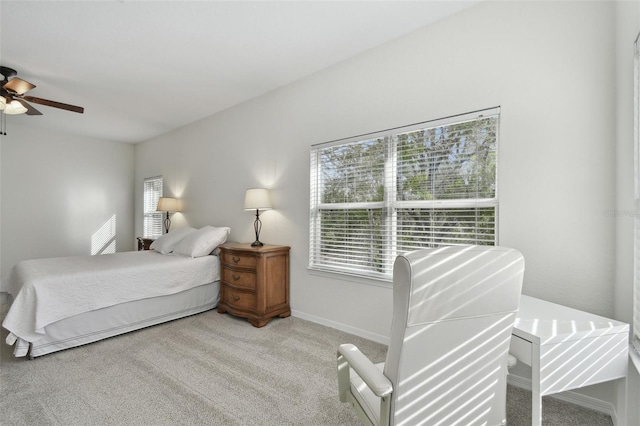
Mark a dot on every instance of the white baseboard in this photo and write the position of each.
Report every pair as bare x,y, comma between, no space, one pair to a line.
378,338
571,397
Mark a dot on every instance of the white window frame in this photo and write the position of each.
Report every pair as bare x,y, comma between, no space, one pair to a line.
389,206
635,340
153,224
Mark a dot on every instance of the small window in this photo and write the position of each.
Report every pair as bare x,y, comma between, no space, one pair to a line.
379,195
152,219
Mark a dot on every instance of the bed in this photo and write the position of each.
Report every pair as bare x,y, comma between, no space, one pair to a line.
60,303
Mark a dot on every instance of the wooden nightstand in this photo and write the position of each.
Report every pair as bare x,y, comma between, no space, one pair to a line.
144,243
255,282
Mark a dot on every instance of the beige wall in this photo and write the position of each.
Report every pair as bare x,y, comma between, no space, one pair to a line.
58,190
627,29
549,65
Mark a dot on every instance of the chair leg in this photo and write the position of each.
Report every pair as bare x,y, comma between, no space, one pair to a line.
385,410
344,383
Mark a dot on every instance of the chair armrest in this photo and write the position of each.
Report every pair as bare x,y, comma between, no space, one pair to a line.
350,356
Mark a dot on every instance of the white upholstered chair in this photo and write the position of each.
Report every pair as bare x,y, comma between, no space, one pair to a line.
453,311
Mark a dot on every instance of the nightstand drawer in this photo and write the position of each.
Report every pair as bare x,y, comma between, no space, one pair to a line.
239,260
239,279
239,299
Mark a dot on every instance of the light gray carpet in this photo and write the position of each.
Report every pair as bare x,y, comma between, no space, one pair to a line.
208,369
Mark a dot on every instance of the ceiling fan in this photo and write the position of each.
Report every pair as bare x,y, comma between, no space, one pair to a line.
14,101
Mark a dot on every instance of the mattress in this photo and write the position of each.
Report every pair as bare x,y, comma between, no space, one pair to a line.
77,300
57,288
111,321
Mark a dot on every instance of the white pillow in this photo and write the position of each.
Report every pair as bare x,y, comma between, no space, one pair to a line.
166,243
202,242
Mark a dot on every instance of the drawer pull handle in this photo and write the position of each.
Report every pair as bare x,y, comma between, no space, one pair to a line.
235,277
235,259
236,298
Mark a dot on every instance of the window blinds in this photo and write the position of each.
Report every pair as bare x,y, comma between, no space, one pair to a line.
152,227
425,185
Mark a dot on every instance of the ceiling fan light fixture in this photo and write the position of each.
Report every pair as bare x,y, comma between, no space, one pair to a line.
13,97
14,107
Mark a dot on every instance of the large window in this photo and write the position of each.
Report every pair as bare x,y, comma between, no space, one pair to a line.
379,195
153,224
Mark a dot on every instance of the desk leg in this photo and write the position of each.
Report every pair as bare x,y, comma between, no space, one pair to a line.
536,397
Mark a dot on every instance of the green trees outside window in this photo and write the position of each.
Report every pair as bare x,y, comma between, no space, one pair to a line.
426,185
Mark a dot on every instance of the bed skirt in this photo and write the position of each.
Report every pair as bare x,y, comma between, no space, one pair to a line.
107,322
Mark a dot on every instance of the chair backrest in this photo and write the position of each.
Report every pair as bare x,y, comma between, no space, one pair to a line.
454,309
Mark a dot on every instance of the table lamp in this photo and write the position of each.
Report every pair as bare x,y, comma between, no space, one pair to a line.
257,199
169,205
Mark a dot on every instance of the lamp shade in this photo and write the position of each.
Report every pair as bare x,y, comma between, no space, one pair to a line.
257,199
167,204
13,107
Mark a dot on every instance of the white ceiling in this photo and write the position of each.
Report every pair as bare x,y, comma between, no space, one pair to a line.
143,68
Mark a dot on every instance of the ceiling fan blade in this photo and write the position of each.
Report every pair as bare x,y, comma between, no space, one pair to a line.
53,104
18,86
30,110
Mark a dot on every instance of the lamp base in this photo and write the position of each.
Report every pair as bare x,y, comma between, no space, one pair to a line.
257,226
167,224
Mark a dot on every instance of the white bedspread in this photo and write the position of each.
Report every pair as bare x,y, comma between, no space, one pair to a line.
57,288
